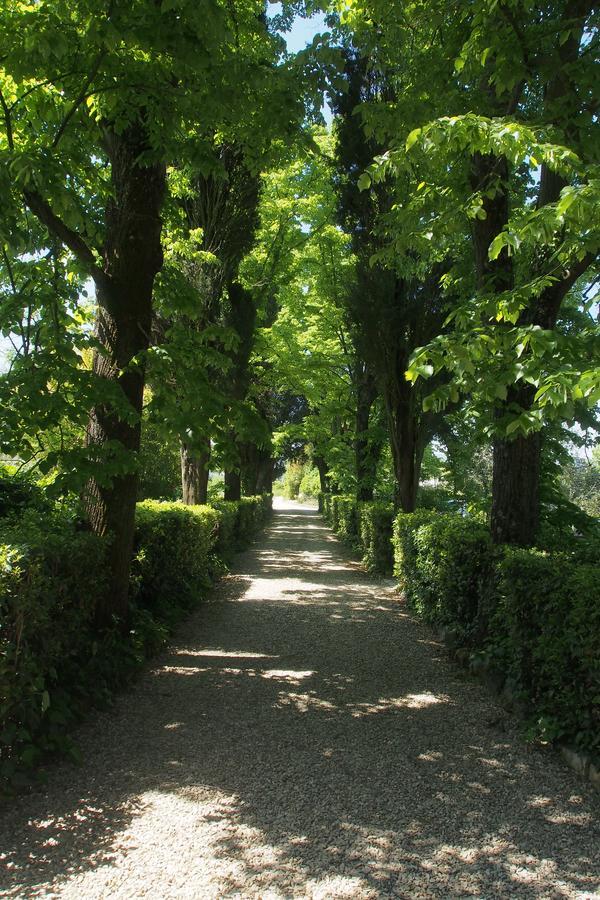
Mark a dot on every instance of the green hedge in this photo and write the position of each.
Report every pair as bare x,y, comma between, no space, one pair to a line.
326,507
51,577
345,518
530,617
54,663
366,527
444,562
227,539
545,638
171,565
375,527
241,521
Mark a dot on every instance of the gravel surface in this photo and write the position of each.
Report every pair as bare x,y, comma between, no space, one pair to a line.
304,737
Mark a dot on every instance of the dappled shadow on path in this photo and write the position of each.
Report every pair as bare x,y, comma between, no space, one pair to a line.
304,737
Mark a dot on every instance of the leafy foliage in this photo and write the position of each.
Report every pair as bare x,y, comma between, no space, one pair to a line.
544,637
54,661
375,526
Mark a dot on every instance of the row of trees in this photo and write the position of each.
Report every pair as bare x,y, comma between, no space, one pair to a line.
466,163
183,246
132,143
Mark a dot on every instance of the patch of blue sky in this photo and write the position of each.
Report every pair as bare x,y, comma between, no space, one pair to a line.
299,36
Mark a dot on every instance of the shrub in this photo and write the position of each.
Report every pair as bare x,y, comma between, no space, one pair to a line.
444,563
51,577
250,518
227,539
54,662
292,479
310,484
243,519
545,637
375,528
171,564
437,497
345,519
327,507
405,552
19,492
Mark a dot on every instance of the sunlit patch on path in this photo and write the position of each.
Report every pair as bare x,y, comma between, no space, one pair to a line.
304,737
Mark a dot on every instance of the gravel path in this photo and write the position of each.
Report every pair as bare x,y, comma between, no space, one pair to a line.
304,737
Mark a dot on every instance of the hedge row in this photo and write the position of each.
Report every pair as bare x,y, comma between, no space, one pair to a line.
365,527
54,664
530,618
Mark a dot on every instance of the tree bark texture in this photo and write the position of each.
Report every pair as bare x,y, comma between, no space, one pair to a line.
194,474
233,486
516,488
257,470
132,258
516,463
366,455
406,441
322,470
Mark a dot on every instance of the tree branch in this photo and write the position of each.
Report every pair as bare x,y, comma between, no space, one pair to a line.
70,238
8,122
551,299
79,99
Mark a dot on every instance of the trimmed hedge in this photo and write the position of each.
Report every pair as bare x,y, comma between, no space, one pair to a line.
530,617
345,516
54,663
171,564
51,578
227,531
241,519
444,562
545,638
375,526
341,513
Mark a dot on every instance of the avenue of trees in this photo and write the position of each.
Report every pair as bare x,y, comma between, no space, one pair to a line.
183,249
198,275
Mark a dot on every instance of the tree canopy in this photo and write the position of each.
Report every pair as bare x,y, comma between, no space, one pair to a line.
398,302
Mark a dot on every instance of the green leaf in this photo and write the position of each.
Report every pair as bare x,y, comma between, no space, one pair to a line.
413,137
497,245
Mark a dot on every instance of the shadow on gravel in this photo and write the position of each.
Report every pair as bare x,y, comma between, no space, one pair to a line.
322,746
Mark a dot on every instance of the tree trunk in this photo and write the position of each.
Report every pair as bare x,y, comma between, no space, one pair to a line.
516,483
233,486
322,470
517,463
132,258
250,465
406,441
265,476
194,474
365,457
259,476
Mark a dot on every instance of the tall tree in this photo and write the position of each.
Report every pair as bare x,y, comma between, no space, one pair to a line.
392,309
512,167
95,104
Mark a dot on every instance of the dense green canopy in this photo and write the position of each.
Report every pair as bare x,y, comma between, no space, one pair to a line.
197,271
